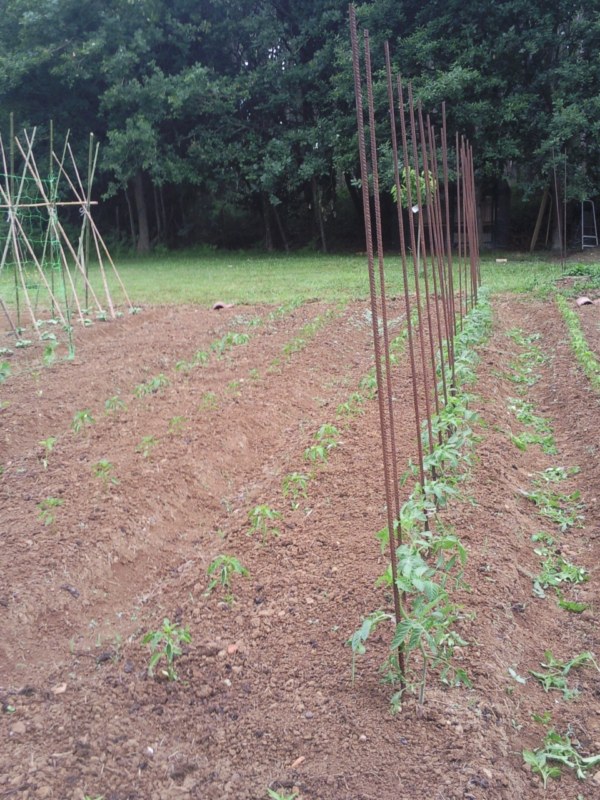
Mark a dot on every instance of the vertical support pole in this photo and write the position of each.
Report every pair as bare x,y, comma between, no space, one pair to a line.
375,321
407,302
86,226
52,197
12,210
411,228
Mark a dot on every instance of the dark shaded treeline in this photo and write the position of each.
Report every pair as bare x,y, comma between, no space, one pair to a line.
232,122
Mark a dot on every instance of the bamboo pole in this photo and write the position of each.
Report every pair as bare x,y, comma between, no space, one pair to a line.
12,212
97,234
88,217
37,263
11,140
55,222
51,178
19,266
8,190
10,322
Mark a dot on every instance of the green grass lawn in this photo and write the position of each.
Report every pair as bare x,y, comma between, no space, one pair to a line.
251,277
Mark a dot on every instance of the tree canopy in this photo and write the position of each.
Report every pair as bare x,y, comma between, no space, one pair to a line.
221,118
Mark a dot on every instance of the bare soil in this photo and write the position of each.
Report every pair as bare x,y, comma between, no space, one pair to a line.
265,698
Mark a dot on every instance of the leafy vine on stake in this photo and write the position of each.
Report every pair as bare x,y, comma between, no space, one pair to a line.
430,563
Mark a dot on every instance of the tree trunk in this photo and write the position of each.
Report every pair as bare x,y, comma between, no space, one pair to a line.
355,196
163,213
540,219
143,242
316,199
131,221
478,200
266,213
281,229
156,213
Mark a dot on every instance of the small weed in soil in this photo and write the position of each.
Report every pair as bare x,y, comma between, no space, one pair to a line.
559,750
273,795
5,371
47,445
208,402
151,386
352,407
556,570
563,510
221,570
177,424
228,341
261,518
555,672
46,509
81,420
104,470
555,475
165,644
326,440
368,384
114,403
294,487
49,354
145,447
570,605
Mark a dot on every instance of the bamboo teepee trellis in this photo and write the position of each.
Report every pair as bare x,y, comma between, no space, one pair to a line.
23,191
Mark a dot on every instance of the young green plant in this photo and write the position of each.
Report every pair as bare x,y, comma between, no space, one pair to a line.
46,509
47,445
294,487
261,519
221,571
81,420
166,645
104,471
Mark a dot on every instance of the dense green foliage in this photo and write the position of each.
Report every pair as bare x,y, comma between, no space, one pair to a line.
230,120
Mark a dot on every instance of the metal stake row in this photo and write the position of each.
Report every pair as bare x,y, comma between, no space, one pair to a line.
442,232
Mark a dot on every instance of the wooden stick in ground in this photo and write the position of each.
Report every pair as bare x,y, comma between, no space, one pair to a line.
59,228
53,197
13,205
40,270
23,281
19,274
7,187
97,234
88,217
53,218
10,322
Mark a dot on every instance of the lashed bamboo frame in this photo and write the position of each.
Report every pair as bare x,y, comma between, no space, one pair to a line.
73,262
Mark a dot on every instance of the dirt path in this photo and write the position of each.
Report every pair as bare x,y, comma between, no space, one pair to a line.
265,698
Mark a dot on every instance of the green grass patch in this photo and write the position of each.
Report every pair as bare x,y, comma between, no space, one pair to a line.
204,276
586,358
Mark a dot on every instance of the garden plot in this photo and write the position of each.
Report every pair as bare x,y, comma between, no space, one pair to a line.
589,318
198,465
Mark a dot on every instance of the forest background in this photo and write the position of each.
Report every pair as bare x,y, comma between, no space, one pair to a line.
231,123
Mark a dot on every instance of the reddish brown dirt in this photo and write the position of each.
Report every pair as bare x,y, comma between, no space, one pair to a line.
265,697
